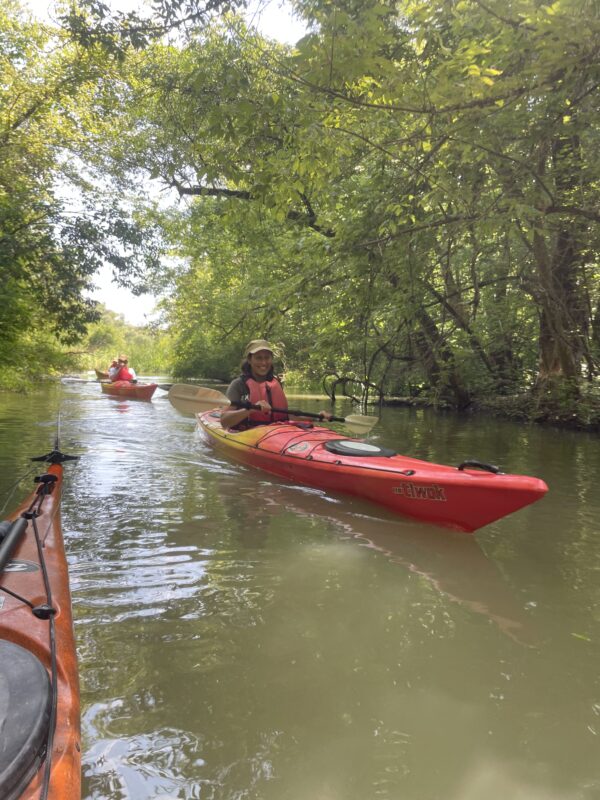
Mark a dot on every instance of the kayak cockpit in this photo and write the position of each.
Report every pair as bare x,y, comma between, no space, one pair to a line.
25,717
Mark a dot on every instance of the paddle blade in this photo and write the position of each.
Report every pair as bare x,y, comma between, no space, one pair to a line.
193,399
359,423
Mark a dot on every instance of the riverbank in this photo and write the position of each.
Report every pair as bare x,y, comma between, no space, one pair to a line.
584,416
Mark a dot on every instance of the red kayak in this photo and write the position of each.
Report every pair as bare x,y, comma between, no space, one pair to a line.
40,751
465,498
135,391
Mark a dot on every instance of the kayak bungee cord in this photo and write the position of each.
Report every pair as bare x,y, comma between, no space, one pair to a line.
11,535
45,488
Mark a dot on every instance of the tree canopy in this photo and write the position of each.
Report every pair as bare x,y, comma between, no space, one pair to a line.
407,198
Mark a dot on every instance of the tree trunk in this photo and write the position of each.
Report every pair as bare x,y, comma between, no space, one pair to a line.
438,361
558,262
560,344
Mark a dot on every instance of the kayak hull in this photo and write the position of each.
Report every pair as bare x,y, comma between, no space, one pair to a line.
461,499
135,391
25,644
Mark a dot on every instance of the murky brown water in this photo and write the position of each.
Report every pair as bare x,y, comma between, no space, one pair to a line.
243,639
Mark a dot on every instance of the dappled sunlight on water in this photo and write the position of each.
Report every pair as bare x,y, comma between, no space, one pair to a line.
240,637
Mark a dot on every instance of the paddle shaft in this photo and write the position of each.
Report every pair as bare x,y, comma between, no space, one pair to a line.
293,411
194,399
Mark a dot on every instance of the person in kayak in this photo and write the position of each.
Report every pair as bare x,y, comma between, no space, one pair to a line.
257,385
103,374
121,371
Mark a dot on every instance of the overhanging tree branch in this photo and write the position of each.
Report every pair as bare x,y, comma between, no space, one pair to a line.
308,219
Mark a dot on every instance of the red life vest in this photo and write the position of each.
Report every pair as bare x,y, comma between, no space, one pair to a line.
123,375
272,392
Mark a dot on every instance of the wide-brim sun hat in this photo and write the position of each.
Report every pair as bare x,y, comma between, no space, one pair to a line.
257,344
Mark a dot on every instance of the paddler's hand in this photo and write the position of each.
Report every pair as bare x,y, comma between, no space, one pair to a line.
326,415
232,416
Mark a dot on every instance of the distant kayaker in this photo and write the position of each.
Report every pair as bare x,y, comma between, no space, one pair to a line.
121,371
257,385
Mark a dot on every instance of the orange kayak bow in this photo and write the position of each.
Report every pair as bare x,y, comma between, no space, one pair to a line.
40,753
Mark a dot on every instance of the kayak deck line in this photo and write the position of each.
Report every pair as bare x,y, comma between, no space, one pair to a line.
464,498
39,718
301,438
284,452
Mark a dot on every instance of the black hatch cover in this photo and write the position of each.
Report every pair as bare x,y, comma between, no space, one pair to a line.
25,710
350,447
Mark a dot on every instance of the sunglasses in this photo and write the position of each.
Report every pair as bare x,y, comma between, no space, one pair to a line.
122,362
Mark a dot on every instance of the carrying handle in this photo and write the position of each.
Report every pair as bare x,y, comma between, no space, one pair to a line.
473,463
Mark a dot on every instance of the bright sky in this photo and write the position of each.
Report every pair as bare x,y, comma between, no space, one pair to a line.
272,18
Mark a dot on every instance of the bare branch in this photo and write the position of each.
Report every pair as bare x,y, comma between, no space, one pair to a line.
308,219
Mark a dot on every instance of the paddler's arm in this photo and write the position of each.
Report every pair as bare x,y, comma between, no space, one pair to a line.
233,416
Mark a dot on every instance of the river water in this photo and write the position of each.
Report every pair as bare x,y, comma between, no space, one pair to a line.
240,638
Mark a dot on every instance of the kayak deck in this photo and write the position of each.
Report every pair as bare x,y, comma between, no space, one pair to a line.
460,498
39,712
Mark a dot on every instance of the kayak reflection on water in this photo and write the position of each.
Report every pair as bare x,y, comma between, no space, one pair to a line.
454,563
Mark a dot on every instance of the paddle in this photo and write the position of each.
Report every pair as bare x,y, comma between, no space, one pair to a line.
193,399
